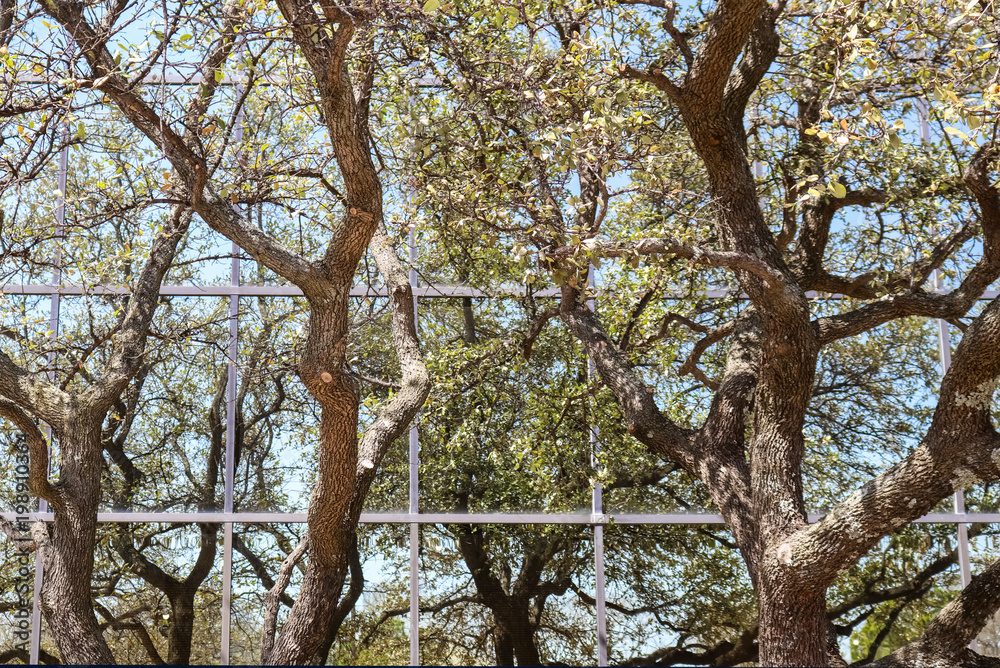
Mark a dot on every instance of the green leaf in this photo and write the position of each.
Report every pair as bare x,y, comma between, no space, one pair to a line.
431,6
838,190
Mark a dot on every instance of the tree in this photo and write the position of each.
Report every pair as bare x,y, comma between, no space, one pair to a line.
562,144
829,126
75,407
345,467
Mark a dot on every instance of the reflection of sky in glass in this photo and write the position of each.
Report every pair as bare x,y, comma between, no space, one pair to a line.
299,222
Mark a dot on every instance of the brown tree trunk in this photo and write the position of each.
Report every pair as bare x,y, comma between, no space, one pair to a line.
310,619
308,623
521,632
346,604
514,638
181,627
503,647
792,621
68,557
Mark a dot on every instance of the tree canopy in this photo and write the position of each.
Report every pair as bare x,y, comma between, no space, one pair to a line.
677,323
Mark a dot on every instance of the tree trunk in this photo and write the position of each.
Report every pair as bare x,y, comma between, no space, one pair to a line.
503,647
792,618
346,604
65,597
310,619
181,627
308,623
521,633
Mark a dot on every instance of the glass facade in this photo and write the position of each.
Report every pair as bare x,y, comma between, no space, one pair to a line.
428,507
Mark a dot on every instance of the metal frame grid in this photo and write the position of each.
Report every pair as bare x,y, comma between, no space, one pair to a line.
413,517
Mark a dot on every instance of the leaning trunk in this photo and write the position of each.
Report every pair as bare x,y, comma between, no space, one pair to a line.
308,623
330,537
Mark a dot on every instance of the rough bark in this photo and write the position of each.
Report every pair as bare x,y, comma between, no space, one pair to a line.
68,553
945,640
346,605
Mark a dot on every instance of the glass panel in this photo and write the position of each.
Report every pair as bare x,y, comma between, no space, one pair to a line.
873,399
276,447
501,434
290,185
203,258
644,484
531,600
371,634
376,632
24,325
277,452
661,335
165,442
890,596
143,625
983,498
674,589
373,358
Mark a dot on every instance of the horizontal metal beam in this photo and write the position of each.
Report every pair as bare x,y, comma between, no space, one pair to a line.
506,290
149,79
154,78
265,290
469,518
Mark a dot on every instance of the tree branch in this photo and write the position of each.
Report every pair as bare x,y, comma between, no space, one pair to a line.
259,568
667,246
654,76
395,416
960,448
536,329
271,601
38,449
727,33
947,637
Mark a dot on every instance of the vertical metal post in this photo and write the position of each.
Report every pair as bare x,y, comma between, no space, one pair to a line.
597,510
54,307
231,389
414,485
227,540
923,115
601,610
